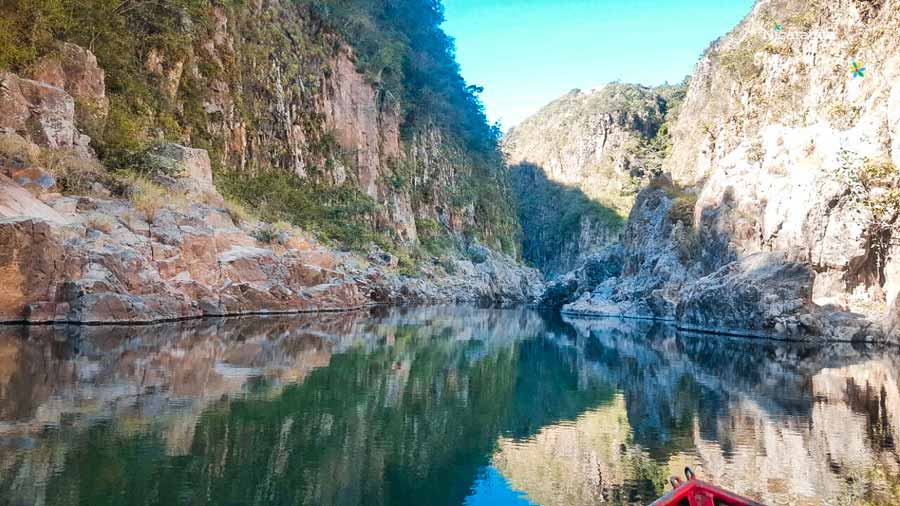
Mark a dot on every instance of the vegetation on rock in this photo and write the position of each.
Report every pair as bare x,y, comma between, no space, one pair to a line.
579,163
201,73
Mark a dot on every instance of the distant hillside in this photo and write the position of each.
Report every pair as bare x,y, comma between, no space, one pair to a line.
579,162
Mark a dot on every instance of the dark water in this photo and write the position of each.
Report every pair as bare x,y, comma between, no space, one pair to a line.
436,406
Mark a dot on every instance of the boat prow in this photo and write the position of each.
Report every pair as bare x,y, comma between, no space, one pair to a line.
694,492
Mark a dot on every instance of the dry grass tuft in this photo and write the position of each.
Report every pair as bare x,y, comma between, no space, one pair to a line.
100,222
239,214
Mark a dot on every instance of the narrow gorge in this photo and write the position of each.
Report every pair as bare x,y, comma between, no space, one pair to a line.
768,204
286,252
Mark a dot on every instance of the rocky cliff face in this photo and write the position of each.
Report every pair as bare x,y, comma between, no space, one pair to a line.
361,104
579,162
336,195
781,151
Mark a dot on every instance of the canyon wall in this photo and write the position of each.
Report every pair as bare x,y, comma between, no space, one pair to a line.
578,163
779,214
194,158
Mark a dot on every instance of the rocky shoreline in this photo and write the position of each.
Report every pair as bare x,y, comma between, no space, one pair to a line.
98,260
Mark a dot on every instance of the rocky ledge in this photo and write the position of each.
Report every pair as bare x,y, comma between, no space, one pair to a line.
90,259
666,270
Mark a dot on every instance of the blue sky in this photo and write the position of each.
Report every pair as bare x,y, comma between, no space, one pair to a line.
528,52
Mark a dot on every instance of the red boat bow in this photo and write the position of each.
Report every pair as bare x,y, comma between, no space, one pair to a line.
694,492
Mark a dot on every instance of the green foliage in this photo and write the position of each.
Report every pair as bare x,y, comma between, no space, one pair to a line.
552,214
873,187
740,62
401,48
340,214
436,239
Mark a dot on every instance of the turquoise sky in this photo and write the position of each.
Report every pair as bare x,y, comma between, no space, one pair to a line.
527,52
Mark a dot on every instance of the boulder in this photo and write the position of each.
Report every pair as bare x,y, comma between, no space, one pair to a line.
560,291
75,70
31,264
16,202
39,112
607,263
763,294
893,322
180,167
34,179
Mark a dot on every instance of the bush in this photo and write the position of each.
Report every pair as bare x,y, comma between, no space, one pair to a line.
340,214
74,174
148,198
100,222
683,201
14,148
841,115
756,153
740,62
238,213
434,237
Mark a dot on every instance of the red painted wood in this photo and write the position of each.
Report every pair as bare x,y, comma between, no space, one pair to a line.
700,493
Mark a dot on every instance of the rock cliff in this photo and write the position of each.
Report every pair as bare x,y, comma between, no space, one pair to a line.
361,104
578,163
248,158
783,179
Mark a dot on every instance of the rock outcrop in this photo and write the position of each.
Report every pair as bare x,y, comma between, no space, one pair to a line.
39,112
785,165
75,70
578,163
99,260
181,168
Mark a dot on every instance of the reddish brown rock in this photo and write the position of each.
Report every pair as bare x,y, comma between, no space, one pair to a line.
31,265
75,70
37,111
34,179
16,202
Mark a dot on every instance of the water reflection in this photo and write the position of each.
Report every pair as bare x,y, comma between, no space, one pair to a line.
436,406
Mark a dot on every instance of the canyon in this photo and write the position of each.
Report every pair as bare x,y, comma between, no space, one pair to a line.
757,198
775,211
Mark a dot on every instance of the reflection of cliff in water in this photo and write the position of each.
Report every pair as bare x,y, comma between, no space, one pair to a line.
340,409
787,424
410,406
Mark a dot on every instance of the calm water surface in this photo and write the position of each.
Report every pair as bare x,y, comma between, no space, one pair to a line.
437,406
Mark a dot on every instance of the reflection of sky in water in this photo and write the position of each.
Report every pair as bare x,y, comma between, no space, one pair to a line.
491,488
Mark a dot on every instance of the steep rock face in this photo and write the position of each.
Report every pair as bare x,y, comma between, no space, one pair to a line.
656,249
776,123
39,112
789,161
578,163
76,70
309,108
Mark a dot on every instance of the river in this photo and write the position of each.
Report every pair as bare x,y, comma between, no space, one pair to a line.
437,406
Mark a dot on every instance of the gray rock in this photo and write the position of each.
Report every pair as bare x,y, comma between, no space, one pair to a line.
180,167
763,294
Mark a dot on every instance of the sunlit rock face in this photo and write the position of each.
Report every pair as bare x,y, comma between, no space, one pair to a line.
774,122
578,163
779,146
